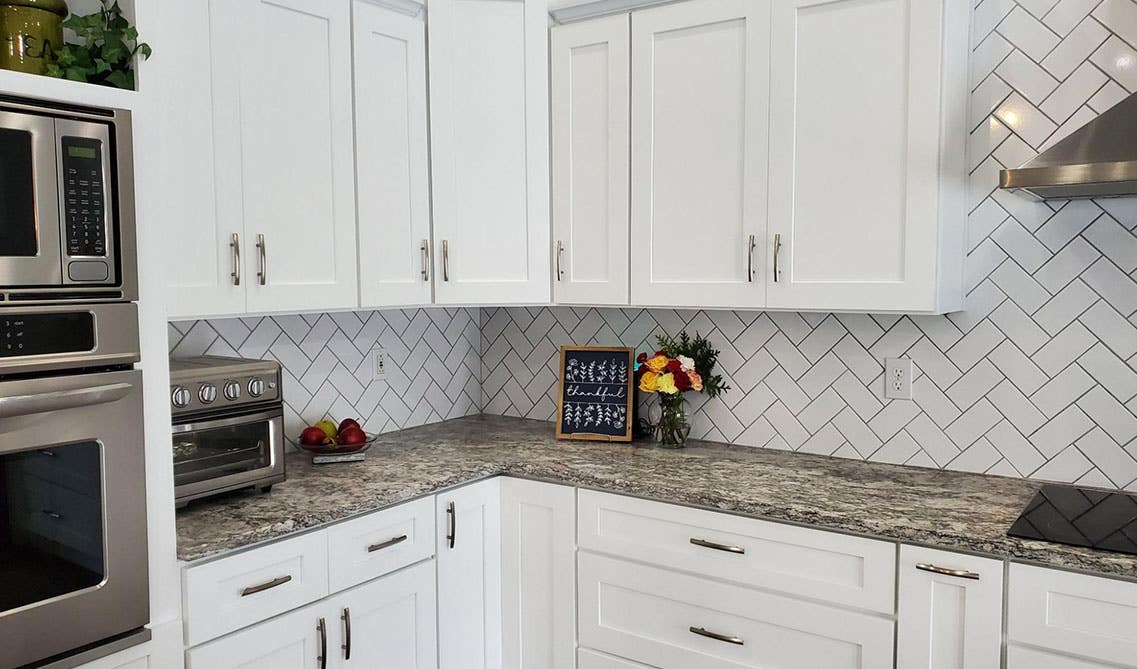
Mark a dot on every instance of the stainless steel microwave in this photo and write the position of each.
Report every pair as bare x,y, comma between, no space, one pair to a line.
66,204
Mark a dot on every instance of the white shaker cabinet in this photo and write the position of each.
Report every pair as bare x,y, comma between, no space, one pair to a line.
867,142
950,610
538,562
700,100
296,640
390,622
468,522
391,156
590,126
489,148
283,147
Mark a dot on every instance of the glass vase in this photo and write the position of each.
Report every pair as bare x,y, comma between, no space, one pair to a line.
673,427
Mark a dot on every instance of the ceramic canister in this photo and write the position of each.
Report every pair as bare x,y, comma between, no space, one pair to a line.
30,33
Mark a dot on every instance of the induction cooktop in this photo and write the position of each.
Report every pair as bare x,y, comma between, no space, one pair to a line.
1080,517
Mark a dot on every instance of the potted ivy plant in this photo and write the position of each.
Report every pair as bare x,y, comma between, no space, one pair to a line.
106,51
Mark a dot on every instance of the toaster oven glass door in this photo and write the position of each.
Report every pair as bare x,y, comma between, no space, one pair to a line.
30,248
223,453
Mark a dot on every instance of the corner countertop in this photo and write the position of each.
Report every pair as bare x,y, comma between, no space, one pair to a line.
949,510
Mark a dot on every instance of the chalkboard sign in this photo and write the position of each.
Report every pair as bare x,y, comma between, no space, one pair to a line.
595,401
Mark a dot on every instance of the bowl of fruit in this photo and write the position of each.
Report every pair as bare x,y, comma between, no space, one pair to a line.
326,438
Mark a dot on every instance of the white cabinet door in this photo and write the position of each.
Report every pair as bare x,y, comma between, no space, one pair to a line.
699,144
282,112
949,620
538,558
469,576
590,119
295,640
200,259
864,124
489,144
389,622
391,156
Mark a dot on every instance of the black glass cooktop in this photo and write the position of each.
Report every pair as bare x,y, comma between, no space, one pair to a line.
1080,517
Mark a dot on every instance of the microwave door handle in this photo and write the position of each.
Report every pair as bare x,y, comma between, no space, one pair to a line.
24,405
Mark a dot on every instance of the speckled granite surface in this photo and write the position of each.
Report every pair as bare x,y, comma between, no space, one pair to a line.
950,510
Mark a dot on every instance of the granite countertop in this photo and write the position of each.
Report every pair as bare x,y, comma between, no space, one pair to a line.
951,510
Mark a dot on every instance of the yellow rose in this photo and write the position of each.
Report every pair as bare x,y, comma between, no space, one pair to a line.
666,384
648,382
657,364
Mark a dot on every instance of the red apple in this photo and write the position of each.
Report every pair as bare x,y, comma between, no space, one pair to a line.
312,436
352,436
349,422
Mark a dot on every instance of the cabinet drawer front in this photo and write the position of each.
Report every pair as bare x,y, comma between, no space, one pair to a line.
587,659
274,579
831,567
1020,657
378,543
673,621
1072,613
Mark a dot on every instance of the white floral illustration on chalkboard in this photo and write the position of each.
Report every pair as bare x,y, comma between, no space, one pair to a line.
602,389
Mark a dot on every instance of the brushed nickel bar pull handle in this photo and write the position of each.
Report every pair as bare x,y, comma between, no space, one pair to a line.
445,260
958,573
346,618
750,244
560,253
424,248
452,522
777,252
386,544
262,273
717,637
718,547
235,245
267,585
322,658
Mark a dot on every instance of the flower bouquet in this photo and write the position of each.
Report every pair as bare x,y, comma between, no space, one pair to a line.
680,365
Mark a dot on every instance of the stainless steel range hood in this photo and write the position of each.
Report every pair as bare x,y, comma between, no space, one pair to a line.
1097,160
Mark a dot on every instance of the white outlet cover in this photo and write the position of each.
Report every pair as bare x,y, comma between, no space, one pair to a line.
898,378
379,361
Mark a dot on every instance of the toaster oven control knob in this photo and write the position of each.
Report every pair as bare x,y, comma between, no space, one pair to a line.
232,391
179,397
257,387
207,393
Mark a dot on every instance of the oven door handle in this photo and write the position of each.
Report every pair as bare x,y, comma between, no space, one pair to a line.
25,405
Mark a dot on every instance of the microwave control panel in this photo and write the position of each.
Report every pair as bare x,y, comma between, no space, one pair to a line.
84,197
42,334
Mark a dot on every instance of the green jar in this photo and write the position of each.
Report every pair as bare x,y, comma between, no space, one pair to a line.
30,33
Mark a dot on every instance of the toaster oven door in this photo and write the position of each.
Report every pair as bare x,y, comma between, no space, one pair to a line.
30,250
229,452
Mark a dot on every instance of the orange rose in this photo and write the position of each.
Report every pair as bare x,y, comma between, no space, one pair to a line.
696,381
657,364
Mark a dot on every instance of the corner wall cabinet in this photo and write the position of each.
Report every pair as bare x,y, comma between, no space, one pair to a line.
489,575
489,149
798,155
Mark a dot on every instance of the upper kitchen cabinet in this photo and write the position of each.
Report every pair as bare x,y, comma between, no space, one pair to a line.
698,148
283,150
590,125
392,159
489,147
867,173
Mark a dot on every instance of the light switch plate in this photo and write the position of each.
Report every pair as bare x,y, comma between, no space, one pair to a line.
898,378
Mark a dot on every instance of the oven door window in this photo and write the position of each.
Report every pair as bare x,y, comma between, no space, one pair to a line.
17,195
205,452
51,523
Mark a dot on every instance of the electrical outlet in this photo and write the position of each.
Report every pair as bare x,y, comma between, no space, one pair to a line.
380,360
898,378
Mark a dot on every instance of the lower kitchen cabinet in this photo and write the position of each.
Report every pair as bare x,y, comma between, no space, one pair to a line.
387,622
469,576
951,610
538,563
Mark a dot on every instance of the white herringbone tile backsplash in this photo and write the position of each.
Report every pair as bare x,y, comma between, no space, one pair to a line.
432,371
1034,378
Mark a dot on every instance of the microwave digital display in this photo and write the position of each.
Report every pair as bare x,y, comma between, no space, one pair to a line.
84,152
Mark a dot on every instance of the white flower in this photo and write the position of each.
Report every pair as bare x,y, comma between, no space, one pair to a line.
686,363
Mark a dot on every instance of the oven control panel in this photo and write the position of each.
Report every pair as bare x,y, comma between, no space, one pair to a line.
46,333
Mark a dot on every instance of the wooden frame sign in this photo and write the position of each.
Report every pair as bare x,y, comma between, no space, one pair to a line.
596,393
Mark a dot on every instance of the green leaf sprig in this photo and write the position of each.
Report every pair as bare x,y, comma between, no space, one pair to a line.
106,53
699,350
